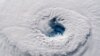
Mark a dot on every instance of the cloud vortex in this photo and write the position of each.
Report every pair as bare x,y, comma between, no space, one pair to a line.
53,32
64,31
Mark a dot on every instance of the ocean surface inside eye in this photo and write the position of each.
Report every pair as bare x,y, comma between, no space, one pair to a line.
58,28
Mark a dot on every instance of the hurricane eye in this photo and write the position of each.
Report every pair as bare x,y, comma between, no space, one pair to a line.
57,27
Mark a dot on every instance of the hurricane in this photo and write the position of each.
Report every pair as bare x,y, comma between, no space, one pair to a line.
49,28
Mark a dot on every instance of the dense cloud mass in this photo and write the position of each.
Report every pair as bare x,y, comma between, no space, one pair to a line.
49,28
75,27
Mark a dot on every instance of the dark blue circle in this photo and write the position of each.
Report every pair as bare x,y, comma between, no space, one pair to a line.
58,28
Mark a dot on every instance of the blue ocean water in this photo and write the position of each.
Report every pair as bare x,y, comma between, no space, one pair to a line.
57,27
